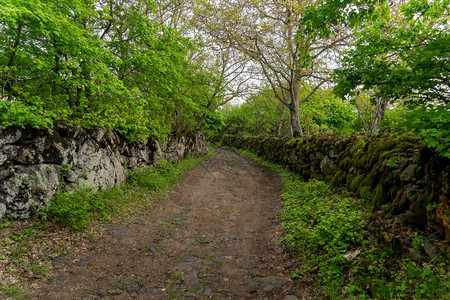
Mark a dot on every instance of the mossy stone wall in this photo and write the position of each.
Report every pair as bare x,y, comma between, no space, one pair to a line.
394,175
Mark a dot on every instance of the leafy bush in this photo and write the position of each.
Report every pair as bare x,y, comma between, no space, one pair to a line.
76,210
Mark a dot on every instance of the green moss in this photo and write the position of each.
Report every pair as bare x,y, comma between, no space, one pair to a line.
348,180
345,163
419,172
379,197
365,193
335,179
382,145
354,185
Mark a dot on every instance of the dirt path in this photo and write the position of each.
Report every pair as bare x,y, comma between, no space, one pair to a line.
215,236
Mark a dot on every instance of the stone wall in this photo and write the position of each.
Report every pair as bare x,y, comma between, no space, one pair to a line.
396,176
35,163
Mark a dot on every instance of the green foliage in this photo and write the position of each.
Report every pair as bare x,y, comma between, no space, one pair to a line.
326,114
96,63
77,209
417,241
431,123
260,114
318,220
400,53
151,178
401,58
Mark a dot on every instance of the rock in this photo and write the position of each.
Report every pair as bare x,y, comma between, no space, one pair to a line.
412,218
411,193
415,256
408,173
2,210
417,213
289,249
34,164
432,251
349,256
115,292
196,287
268,284
289,264
290,297
407,241
208,292
325,165
3,158
82,262
118,230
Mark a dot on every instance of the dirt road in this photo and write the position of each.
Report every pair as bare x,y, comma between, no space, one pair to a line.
215,236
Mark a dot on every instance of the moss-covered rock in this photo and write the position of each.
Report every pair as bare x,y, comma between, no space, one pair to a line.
371,169
355,184
379,197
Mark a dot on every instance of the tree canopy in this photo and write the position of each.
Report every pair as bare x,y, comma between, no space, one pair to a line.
150,68
96,63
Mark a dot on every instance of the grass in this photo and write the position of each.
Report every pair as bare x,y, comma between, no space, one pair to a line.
328,230
144,186
13,291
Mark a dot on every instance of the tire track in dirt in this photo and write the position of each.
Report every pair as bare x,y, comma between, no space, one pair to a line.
215,236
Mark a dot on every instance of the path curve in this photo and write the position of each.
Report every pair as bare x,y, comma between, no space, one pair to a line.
214,237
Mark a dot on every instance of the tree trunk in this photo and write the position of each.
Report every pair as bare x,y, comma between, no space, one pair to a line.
281,122
295,111
378,113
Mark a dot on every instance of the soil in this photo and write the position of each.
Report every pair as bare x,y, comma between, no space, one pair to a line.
216,235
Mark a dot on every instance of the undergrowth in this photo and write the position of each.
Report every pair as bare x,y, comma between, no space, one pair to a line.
328,230
76,210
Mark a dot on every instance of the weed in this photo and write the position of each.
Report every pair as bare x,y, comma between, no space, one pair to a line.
6,222
13,291
417,241
174,294
177,276
38,271
160,246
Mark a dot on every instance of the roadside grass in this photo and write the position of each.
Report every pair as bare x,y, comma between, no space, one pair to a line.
24,252
143,187
329,231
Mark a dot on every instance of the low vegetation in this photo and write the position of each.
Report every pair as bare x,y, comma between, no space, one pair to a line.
76,210
340,249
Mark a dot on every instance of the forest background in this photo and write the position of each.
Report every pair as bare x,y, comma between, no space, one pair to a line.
294,68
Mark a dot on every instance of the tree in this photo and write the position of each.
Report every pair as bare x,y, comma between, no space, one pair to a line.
266,31
400,54
401,59
260,115
400,50
95,63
